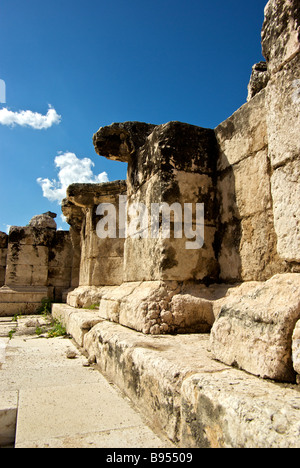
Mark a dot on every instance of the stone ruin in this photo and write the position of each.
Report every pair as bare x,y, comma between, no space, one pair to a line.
243,285
36,262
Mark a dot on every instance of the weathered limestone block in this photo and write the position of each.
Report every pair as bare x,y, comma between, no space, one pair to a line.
246,237
30,236
3,255
254,332
296,348
86,296
150,369
283,117
158,307
168,259
38,265
286,196
27,257
283,114
245,188
249,249
60,264
170,163
259,79
232,409
101,258
281,33
120,140
195,400
74,217
243,134
76,322
44,221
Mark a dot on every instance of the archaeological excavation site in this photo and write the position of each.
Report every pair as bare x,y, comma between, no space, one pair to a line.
203,338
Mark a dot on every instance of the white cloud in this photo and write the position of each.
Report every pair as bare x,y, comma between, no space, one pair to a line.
70,170
29,119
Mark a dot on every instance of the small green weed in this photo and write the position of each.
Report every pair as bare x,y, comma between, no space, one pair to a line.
57,330
45,307
93,307
11,333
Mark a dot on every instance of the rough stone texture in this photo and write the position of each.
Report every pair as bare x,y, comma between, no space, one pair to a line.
85,296
8,417
159,307
195,400
283,114
76,322
281,33
247,239
174,162
3,255
283,105
120,141
243,134
37,262
148,369
60,264
259,79
74,216
101,259
296,348
43,221
254,332
231,409
286,193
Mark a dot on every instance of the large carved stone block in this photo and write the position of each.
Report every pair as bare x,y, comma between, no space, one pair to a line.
286,196
167,164
254,332
281,33
101,258
3,255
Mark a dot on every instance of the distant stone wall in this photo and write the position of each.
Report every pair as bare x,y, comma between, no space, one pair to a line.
35,262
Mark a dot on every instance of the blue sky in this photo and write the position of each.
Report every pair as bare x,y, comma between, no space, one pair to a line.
96,62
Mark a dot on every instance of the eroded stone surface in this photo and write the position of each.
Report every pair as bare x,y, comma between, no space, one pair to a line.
281,33
254,332
231,409
259,79
296,348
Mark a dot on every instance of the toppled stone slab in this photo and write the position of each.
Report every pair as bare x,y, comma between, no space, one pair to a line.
254,332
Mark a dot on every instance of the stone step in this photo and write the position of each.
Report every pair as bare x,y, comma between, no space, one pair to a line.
194,400
48,400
